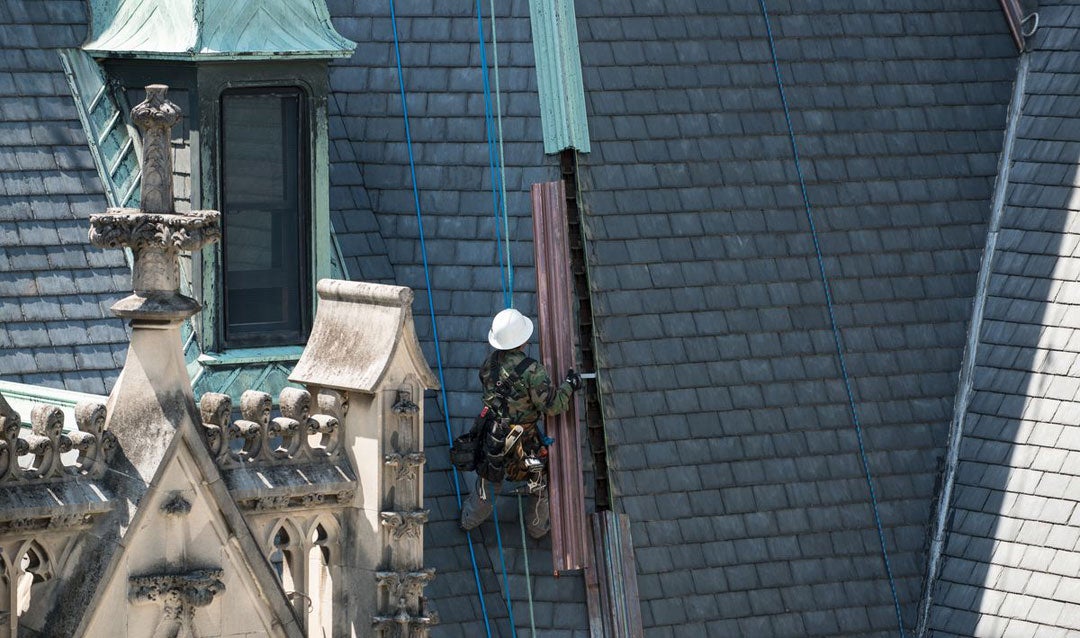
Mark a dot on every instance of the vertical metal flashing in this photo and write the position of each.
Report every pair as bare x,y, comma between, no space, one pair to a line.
557,344
964,387
558,75
616,570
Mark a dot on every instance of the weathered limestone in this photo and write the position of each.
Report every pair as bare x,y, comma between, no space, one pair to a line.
50,493
363,348
176,539
207,525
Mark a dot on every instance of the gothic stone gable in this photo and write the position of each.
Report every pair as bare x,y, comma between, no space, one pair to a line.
188,565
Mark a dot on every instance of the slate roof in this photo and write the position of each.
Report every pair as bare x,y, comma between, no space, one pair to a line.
730,444
1011,563
55,289
730,441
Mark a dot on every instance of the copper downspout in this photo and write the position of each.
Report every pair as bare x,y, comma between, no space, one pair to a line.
554,283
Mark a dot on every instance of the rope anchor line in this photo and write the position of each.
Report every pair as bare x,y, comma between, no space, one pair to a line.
832,320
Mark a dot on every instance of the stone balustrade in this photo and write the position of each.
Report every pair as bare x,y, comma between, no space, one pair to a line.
40,453
258,437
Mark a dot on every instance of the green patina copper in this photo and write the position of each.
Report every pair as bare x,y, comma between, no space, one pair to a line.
558,75
214,30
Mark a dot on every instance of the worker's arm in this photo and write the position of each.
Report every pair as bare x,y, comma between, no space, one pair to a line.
548,398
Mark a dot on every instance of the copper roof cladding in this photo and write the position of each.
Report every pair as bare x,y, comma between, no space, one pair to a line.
557,346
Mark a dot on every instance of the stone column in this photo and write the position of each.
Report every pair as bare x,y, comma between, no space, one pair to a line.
153,396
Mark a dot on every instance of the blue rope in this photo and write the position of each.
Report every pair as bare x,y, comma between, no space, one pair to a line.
506,276
832,320
431,308
489,123
502,561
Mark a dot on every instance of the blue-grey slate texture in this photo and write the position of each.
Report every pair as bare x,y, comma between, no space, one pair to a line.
732,447
730,439
1011,564
55,289
731,442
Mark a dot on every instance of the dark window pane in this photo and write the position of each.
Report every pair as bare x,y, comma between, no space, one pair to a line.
264,198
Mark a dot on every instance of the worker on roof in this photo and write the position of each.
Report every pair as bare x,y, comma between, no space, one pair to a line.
517,394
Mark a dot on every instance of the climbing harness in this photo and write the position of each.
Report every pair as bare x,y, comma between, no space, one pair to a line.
431,307
832,319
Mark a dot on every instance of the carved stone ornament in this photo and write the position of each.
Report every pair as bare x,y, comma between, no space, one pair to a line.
404,524
405,585
406,466
155,233
404,405
176,505
47,442
404,625
256,438
178,594
301,501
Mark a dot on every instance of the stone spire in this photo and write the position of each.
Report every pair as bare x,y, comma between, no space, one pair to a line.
153,397
154,232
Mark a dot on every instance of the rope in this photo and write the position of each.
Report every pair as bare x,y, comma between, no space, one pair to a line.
431,308
502,155
493,160
498,195
528,574
502,561
832,320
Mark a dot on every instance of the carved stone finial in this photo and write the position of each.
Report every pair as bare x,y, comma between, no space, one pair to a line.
154,233
155,116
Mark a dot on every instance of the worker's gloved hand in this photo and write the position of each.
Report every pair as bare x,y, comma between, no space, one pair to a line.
574,379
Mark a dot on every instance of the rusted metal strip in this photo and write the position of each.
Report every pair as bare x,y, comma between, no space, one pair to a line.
616,569
1014,15
557,345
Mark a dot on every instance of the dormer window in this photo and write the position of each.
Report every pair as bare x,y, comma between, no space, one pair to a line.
255,147
265,200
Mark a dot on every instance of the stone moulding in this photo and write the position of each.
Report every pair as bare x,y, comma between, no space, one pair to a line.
332,500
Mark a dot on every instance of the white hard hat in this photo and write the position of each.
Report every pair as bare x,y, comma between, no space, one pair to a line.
509,329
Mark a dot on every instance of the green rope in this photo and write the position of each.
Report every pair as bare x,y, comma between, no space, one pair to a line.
502,156
528,576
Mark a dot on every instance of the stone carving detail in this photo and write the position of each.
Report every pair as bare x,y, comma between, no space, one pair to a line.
296,435
47,522
404,405
404,524
155,233
178,594
406,625
155,117
406,466
405,585
176,505
47,441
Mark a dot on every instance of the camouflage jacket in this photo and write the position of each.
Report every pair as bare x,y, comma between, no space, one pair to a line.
531,396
